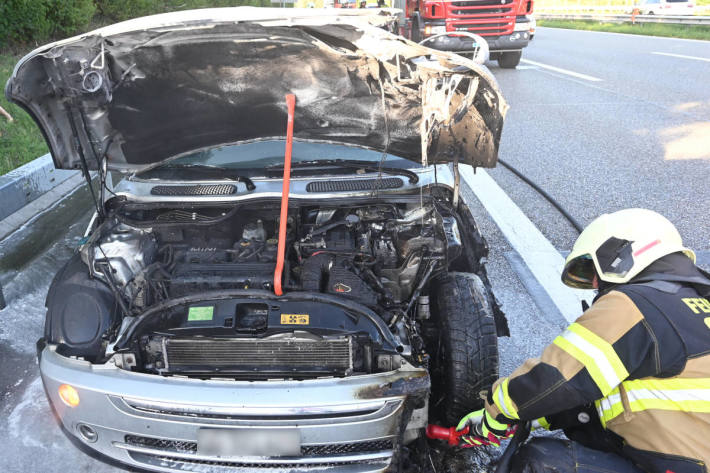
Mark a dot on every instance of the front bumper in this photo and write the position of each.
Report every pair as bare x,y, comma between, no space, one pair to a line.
349,425
462,44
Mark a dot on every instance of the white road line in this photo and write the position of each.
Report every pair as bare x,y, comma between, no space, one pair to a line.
543,260
683,56
527,67
562,71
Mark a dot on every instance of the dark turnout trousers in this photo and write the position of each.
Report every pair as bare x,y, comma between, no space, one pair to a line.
549,455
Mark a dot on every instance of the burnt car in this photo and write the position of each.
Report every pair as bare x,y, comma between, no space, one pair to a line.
168,344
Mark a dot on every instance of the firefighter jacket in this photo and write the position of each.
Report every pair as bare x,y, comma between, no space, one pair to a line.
641,355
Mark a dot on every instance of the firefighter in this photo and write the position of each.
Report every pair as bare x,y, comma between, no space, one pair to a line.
629,380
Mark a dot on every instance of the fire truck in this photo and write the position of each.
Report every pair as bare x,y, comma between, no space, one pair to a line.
504,24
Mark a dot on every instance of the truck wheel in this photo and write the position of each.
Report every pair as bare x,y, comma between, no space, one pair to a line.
510,60
465,355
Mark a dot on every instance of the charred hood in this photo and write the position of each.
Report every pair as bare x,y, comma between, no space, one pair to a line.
146,90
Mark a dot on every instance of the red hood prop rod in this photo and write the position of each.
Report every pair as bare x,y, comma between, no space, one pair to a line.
281,249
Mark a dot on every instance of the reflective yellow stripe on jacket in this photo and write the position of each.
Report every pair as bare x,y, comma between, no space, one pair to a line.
672,394
596,354
503,402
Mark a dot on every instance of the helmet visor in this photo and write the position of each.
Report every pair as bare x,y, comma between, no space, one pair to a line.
579,272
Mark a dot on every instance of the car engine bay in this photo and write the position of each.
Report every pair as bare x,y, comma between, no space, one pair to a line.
189,291
369,254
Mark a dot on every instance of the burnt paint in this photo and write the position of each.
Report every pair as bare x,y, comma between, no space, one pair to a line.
418,382
165,92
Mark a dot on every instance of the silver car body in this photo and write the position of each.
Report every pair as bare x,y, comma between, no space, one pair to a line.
348,424
429,107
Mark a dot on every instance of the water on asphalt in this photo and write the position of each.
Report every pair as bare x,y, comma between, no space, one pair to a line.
29,259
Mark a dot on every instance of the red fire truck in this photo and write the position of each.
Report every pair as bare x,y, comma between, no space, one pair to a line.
504,24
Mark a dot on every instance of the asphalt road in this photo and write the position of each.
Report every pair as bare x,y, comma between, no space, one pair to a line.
637,136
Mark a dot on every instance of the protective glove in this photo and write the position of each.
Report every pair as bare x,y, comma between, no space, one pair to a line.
483,430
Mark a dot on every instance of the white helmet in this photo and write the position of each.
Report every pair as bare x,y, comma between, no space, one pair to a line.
620,245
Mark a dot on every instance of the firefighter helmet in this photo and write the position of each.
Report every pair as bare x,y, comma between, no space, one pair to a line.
618,246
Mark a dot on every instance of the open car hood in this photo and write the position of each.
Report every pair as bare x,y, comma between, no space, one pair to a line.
139,92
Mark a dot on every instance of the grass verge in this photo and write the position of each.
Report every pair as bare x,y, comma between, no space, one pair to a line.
20,140
647,29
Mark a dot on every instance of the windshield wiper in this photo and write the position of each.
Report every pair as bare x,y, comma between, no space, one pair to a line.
202,171
350,164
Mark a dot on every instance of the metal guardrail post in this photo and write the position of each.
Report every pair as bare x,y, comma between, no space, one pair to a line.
2,299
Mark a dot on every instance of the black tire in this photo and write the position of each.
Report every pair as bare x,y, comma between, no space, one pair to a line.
465,359
510,59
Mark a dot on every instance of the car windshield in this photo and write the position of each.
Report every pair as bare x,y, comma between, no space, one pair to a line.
251,159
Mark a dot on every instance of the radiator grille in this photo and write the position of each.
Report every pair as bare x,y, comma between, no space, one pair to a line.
341,448
483,17
199,465
182,446
216,189
479,3
260,356
354,185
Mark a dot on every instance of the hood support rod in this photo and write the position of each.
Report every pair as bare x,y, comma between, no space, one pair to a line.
281,249
84,165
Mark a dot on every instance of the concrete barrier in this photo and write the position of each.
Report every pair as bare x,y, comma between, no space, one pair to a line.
28,182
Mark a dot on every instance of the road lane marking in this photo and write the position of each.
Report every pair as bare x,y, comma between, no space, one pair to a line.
534,68
578,75
543,260
682,56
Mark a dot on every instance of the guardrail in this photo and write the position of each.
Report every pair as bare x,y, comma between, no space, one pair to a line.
668,19
701,10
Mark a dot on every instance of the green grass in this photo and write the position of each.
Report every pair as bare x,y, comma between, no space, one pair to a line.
648,29
20,140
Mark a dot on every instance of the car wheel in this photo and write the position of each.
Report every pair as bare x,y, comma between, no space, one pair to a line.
510,60
465,353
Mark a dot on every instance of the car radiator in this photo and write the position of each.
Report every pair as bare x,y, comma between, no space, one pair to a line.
258,357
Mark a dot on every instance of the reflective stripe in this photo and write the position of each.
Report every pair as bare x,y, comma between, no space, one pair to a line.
471,440
596,354
503,402
541,423
674,394
610,406
492,425
667,384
